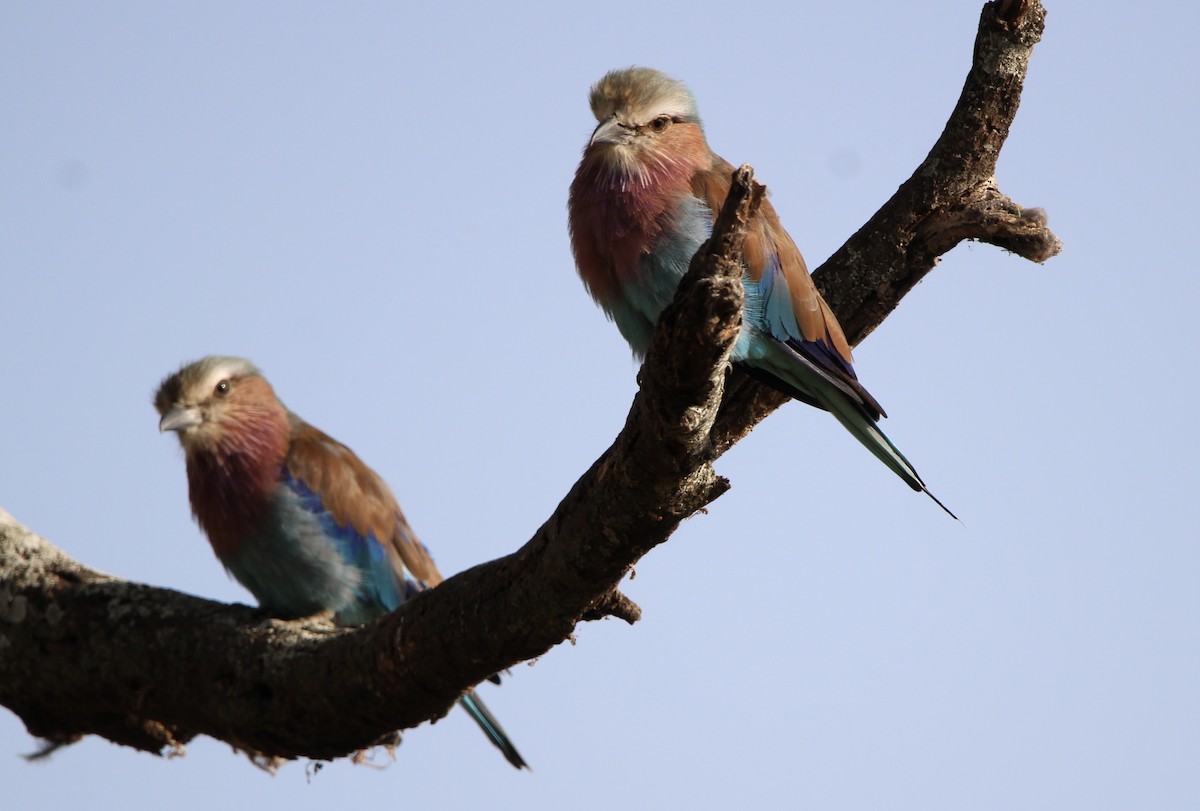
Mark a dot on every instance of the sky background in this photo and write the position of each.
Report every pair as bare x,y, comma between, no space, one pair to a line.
369,201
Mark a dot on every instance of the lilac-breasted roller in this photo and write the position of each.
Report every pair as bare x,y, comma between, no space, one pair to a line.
642,203
294,515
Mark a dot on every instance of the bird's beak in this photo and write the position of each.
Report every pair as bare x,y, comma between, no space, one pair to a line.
180,418
611,131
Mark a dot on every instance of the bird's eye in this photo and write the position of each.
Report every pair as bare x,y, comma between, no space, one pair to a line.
222,388
661,123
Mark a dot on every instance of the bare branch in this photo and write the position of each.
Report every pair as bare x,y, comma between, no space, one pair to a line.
952,196
82,652
86,653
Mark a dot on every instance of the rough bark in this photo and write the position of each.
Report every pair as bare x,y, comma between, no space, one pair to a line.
951,197
83,652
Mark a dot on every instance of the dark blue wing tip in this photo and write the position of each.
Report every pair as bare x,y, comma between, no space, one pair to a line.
822,354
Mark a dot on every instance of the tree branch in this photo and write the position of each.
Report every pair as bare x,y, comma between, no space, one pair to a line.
952,196
82,652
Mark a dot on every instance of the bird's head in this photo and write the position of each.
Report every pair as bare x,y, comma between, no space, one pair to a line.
215,400
645,117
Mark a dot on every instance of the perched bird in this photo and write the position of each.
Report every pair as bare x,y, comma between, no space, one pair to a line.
293,514
642,203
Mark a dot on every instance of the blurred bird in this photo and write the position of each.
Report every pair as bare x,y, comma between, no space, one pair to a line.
293,514
642,203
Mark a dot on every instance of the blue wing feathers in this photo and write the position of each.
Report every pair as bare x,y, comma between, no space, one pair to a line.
381,587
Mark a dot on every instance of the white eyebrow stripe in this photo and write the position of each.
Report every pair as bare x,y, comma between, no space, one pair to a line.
676,106
221,371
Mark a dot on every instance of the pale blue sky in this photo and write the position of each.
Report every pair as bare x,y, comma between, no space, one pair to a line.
368,200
